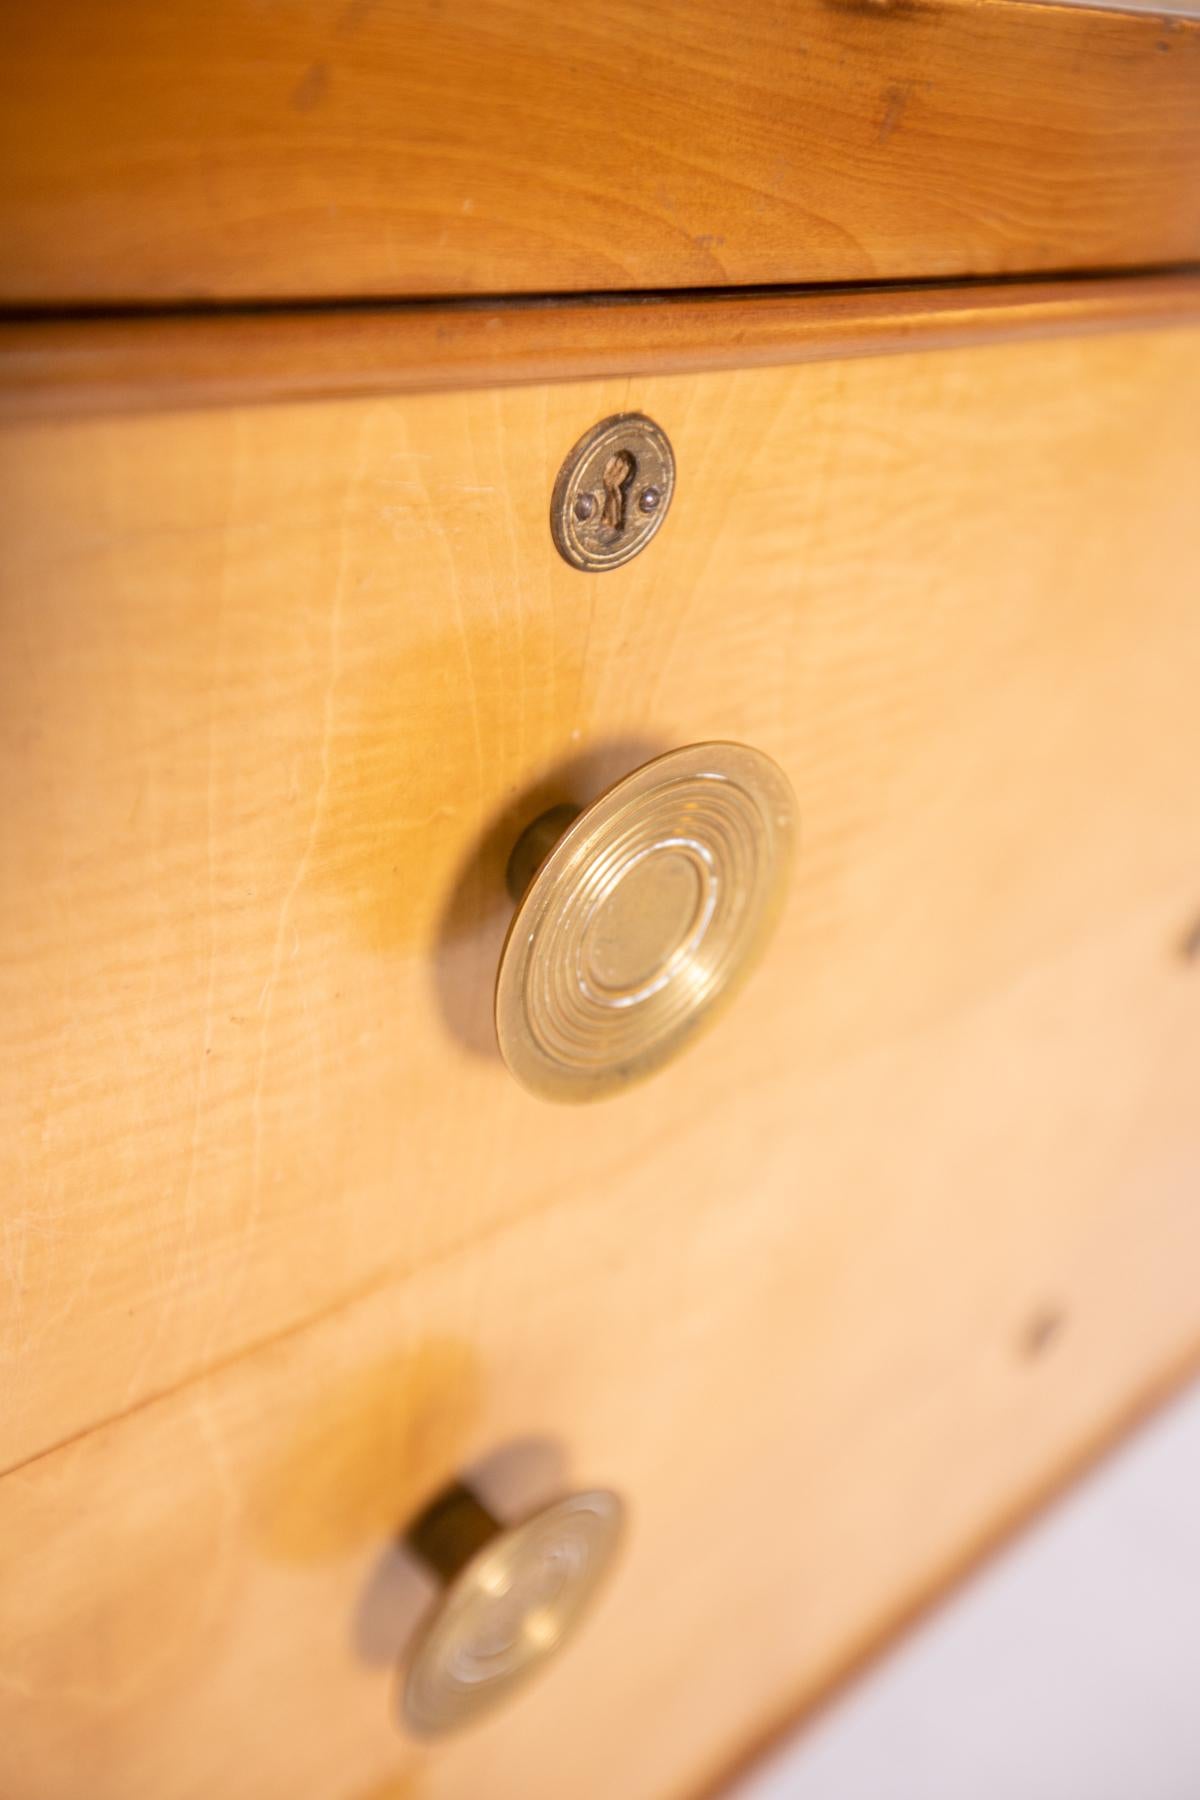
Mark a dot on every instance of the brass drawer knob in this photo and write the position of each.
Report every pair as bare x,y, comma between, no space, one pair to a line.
639,917
512,1596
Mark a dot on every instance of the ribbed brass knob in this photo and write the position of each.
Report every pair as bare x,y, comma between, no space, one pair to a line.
512,1596
638,917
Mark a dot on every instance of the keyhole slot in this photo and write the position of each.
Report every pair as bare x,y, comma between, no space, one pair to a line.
619,473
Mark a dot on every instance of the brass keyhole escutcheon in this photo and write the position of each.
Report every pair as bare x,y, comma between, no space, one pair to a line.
511,1597
612,492
639,917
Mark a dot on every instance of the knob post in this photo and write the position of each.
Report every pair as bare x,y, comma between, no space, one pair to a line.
534,846
453,1529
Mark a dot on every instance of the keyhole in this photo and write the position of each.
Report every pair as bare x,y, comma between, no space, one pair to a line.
619,472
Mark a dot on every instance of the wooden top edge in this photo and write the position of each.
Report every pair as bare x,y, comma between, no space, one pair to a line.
221,150
61,368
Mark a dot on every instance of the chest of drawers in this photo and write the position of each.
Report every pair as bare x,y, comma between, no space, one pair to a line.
290,660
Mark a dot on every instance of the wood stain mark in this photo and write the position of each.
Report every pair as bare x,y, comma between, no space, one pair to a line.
1040,1331
1189,943
393,1787
367,1452
311,88
895,100
353,17
424,752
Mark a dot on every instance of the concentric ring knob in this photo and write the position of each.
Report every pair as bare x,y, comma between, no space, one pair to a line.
638,918
512,1597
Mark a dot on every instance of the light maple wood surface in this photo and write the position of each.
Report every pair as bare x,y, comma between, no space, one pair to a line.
284,1246
226,149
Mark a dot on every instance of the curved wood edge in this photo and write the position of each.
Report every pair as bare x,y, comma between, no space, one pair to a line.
61,368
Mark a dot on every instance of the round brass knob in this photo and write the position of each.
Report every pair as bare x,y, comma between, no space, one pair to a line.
512,1597
638,917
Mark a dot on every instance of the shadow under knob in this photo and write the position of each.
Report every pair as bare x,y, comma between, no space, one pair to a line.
512,1597
640,916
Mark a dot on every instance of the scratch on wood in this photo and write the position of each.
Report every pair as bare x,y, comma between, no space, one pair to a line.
895,100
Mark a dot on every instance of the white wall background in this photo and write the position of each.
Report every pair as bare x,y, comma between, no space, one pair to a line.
1068,1670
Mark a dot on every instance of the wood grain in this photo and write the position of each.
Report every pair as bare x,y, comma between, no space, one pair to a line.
284,1246
282,685
217,149
810,1373
54,368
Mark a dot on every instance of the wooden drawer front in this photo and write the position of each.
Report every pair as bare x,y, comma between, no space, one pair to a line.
222,148
286,1246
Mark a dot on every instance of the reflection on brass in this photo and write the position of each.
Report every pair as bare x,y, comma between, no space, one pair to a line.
612,492
639,917
512,1596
